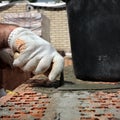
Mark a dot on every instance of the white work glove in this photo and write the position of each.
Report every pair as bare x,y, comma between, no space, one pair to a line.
36,54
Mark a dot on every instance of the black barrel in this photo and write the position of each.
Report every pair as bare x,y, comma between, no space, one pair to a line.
94,27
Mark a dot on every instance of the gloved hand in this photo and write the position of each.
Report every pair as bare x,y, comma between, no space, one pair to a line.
36,54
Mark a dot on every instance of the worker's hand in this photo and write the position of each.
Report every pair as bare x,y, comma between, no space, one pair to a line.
36,54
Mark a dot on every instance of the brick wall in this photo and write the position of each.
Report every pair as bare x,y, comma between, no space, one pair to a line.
12,8
58,33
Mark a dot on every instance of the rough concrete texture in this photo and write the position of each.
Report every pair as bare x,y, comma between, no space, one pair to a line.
84,105
33,101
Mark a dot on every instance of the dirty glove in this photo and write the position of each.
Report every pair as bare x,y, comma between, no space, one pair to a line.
36,54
